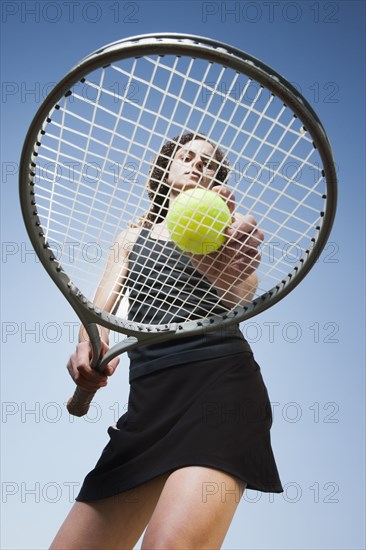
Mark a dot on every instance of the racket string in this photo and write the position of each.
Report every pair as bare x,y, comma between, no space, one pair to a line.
122,134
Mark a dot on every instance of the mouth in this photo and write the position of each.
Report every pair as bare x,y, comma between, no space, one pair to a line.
196,176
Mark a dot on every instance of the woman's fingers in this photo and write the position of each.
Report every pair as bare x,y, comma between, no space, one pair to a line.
227,195
81,371
244,238
244,234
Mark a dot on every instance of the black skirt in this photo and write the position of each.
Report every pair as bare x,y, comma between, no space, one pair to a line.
213,413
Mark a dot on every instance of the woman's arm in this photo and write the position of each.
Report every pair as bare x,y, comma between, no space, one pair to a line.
107,297
237,293
110,289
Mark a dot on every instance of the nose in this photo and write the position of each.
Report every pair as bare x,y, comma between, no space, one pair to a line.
197,163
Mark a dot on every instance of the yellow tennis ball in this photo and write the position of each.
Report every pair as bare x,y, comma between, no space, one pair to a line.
197,220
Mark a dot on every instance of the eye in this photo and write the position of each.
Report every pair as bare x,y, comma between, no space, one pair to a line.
210,164
183,157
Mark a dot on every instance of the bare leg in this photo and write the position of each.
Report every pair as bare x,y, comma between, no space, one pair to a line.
194,511
110,523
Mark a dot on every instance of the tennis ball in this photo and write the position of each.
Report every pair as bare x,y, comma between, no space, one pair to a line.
197,220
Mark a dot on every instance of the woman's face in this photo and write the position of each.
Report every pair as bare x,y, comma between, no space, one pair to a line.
192,166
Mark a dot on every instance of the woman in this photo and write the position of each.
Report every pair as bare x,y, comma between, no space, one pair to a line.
197,429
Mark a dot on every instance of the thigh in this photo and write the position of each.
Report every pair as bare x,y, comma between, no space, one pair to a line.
116,522
194,510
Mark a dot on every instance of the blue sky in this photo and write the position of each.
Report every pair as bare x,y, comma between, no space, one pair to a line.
310,346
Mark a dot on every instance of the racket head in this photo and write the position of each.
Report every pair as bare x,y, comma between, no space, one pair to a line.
166,50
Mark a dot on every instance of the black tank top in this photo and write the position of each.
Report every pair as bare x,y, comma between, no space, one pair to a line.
150,284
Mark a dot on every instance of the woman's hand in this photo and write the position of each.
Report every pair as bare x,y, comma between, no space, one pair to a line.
83,374
239,257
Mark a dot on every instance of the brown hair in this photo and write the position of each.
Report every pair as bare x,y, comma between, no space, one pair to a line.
158,190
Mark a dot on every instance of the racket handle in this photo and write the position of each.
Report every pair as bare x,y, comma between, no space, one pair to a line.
79,403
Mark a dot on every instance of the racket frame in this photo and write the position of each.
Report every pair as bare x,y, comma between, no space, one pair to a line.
180,45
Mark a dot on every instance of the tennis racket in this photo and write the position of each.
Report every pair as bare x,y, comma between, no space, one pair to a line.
98,139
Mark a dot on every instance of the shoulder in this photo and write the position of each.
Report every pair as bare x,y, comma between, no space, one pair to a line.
127,238
131,233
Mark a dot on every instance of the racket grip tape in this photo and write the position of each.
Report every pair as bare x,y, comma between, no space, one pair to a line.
79,403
